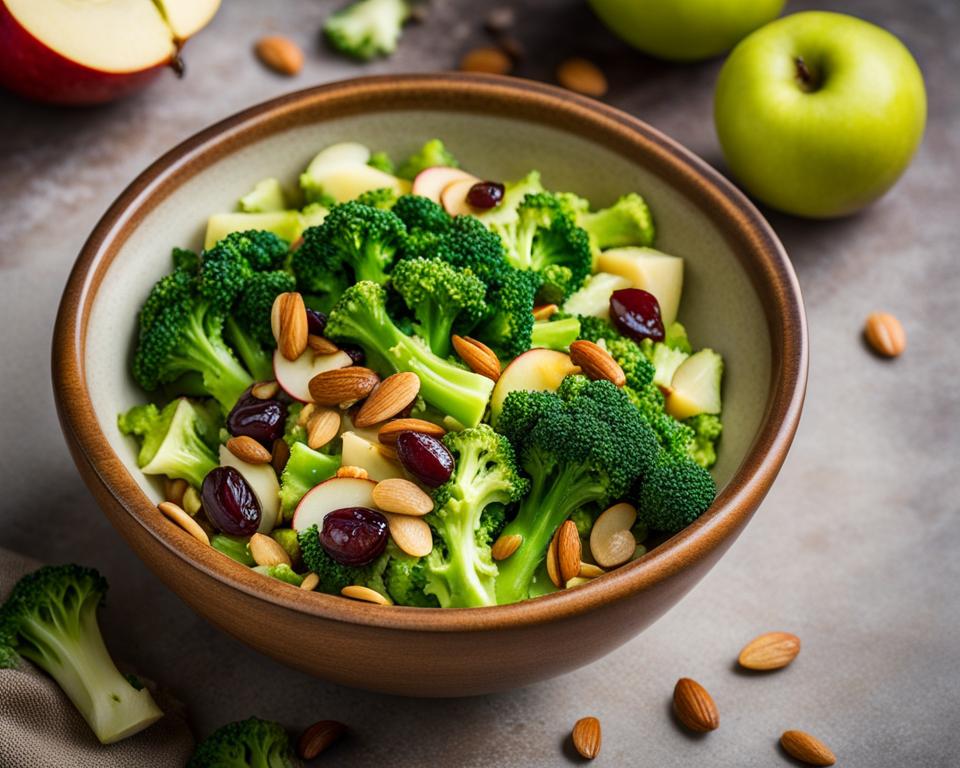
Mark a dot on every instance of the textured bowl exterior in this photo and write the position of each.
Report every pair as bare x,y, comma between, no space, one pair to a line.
451,652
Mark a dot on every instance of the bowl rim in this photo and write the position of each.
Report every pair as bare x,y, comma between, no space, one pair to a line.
754,241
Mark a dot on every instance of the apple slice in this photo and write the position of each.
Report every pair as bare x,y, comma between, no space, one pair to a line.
649,269
695,387
335,493
286,224
593,299
431,182
187,17
263,480
539,370
454,198
360,452
349,182
294,376
346,154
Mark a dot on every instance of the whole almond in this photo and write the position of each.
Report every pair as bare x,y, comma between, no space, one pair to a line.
568,551
322,427
266,551
485,59
694,707
390,431
586,737
411,534
401,497
342,385
596,363
177,515
280,54
389,452
885,334
582,76
545,311
773,650
318,737
321,345
288,318
249,450
505,546
478,356
806,748
389,398
553,565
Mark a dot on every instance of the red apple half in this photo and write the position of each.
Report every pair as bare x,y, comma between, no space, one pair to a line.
92,51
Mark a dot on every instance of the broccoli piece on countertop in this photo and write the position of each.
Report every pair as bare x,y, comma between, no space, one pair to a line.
460,569
305,469
178,441
251,743
50,619
674,493
361,316
367,28
430,155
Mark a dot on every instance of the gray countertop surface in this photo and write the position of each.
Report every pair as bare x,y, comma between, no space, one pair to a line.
856,549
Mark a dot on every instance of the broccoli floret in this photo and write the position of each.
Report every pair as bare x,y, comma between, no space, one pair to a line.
707,429
626,222
584,518
405,578
430,155
251,743
555,334
294,432
280,572
334,576
361,317
507,326
252,310
674,494
440,297
287,538
421,213
305,469
176,442
383,198
639,371
265,197
235,547
356,237
226,269
367,28
382,162
585,444
460,569
50,619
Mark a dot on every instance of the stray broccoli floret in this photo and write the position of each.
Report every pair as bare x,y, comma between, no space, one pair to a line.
176,442
507,326
383,198
430,155
382,162
555,334
421,213
235,547
707,428
626,222
460,569
354,237
334,576
440,297
584,445
252,310
361,317
50,619
674,494
367,28
305,469
251,743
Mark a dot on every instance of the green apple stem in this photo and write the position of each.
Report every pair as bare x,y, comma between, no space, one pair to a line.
804,75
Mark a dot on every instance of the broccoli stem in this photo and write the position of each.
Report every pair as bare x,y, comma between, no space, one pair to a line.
224,377
258,360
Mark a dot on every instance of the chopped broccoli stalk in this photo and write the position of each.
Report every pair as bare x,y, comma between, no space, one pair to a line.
382,162
626,222
251,743
265,197
305,468
674,493
430,155
287,538
555,334
281,572
361,317
367,28
254,355
50,619
175,442
707,429
460,569
235,547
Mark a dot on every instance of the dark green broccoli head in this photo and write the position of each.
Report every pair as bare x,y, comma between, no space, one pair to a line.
406,578
674,493
383,199
421,213
430,155
226,268
507,326
251,743
253,307
334,576
366,28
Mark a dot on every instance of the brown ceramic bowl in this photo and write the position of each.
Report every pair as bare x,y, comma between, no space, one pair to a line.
741,297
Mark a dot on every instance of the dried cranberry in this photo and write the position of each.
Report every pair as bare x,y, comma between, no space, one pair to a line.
316,322
354,536
263,420
485,195
229,502
425,457
354,353
636,313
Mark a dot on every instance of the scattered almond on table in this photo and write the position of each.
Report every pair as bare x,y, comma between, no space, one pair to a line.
806,748
769,651
885,334
695,707
586,737
319,737
486,59
280,54
582,76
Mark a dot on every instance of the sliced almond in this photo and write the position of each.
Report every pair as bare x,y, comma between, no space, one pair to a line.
342,385
266,551
611,542
323,426
265,390
350,471
553,566
280,455
590,571
586,737
191,501
583,77
280,54
177,515
773,650
401,497
321,345
596,363
249,450
357,592
568,551
545,311
576,581
411,534
390,431
310,582
885,334
806,748
318,738
288,318
389,398
485,59
478,356
173,490
695,707
505,546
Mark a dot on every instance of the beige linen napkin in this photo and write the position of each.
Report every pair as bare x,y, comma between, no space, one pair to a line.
39,728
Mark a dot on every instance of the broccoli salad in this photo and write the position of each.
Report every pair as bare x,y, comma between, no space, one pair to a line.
406,384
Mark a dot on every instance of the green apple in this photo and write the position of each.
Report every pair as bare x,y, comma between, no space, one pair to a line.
685,30
819,113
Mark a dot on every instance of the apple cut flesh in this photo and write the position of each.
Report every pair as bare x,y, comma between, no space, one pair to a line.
294,376
647,268
346,154
262,479
187,17
431,182
359,452
695,387
593,299
335,493
286,224
538,370
348,183
454,198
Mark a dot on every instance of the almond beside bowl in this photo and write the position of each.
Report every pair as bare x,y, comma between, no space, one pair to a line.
741,297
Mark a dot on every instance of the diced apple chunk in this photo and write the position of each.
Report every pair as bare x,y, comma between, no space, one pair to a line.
262,479
332,494
360,452
285,224
539,370
431,182
695,387
593,299
655,272
454,198
345,154
348,183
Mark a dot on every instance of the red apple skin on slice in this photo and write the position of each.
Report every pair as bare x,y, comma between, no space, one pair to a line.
537,370
335,493
294,376
431,182
454,198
